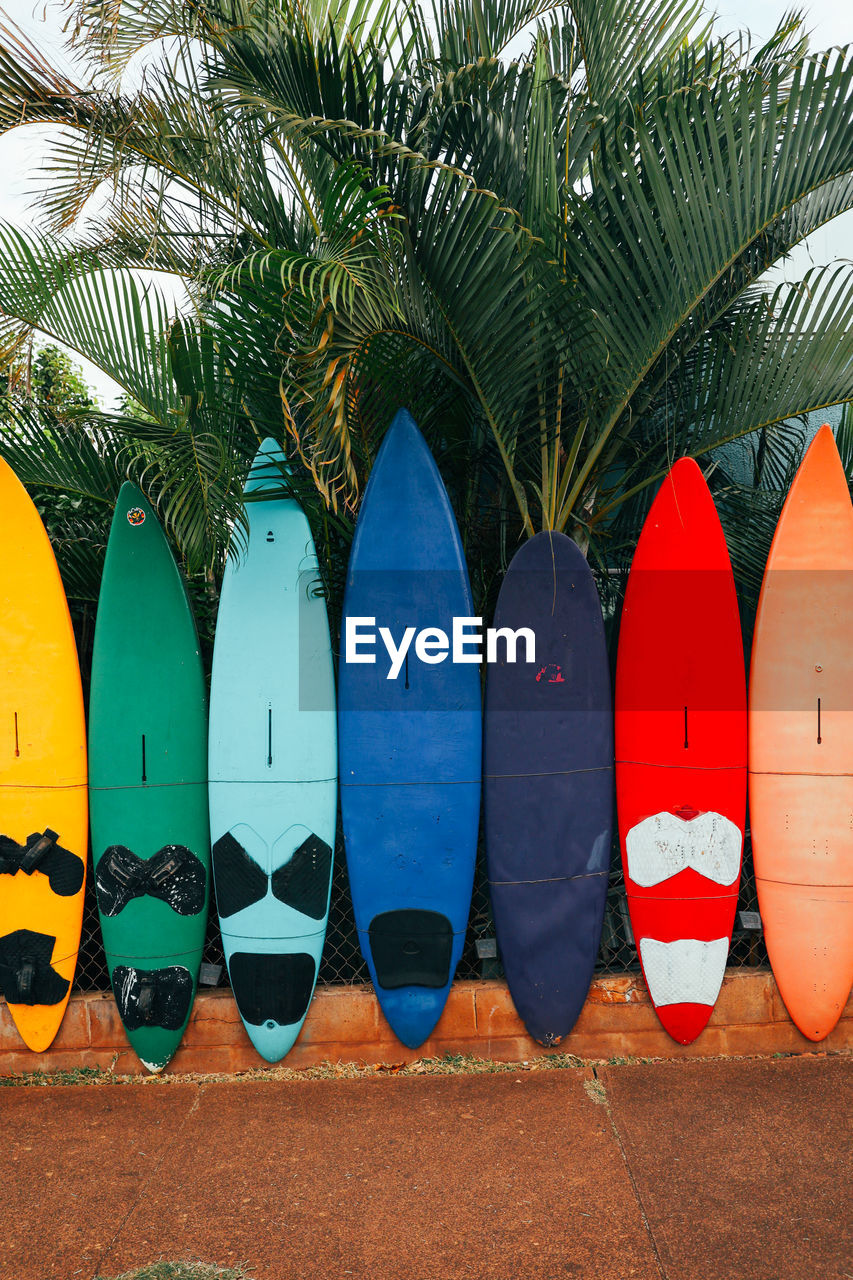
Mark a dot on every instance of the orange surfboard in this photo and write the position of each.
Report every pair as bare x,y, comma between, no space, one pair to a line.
801,744
43,799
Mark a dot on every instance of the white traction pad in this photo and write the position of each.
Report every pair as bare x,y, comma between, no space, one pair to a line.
684,972
661,846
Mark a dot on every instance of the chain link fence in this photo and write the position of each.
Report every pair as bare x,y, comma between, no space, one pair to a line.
342,961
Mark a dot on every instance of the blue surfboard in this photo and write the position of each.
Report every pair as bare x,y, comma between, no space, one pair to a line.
548,784
272,764
410,747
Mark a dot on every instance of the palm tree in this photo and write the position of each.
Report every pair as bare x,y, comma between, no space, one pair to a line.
554,257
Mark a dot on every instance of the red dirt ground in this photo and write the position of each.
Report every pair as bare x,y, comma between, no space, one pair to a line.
703,1170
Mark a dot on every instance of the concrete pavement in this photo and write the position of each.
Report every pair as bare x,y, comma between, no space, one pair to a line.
685,1170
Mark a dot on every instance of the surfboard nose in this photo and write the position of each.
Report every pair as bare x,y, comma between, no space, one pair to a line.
273,1041
684,1022
404,427
413,1012
268,466
403,442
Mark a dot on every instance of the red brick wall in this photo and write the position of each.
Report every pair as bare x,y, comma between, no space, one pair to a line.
345,1025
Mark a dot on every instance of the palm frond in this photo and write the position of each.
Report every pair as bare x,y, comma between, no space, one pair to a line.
778,357
103,315
59,453
678,201
619,36
844,439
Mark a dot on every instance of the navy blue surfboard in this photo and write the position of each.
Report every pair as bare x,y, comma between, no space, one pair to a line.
410,747
548,784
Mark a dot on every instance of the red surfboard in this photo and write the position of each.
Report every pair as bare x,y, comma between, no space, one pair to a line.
681,751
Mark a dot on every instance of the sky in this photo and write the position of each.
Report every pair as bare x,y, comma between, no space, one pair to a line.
829,21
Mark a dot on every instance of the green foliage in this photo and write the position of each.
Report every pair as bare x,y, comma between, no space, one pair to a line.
845,442
183,1271
57,383
38,1079
554,258
46,376
69,477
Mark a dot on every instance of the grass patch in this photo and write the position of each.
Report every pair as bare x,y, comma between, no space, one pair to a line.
449,1064
183,1271
452,1064
596,1092
75,1075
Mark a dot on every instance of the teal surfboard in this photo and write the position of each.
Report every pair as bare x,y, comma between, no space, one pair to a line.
148,782
273,763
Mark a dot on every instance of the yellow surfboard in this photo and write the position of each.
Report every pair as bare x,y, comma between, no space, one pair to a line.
43,797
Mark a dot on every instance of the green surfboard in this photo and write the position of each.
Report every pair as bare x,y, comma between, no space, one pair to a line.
148,782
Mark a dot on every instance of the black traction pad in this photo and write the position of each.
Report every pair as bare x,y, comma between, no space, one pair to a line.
65,870
239,880
272,988
303,881
153,997
411,948
174,875
26,974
